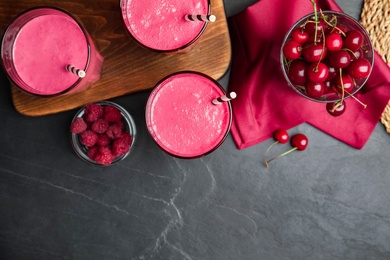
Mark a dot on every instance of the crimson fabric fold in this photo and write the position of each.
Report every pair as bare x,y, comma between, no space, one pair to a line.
265,102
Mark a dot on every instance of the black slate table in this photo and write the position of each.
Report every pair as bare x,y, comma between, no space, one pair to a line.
328,202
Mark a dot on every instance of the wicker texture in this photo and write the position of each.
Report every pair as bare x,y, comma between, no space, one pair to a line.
375,17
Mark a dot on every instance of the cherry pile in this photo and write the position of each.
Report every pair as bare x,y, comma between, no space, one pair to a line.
323,57
298,142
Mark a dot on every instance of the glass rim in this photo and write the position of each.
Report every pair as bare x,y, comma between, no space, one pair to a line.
37,8
147,112
188,44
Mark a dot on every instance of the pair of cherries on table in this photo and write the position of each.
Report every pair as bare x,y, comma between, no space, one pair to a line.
298,142
323,58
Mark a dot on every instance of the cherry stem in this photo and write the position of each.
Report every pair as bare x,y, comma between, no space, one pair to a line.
267,152
287,63
342,85
348,50
342,92
357,100
323,50
315,18
334,26
280,155
364,48
336,106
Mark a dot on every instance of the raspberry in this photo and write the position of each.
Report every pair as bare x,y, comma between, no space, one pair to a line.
126,136
105,150
120,147
119,124
103,140
112,114
78,125
93,151
104,156
114,131
99,126
88,138
92,112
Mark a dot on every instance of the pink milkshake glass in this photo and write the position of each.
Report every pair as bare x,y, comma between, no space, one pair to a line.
166,25
47,52
182,118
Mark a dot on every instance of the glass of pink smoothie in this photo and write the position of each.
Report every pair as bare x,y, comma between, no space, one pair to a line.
181,117
161,25
47,52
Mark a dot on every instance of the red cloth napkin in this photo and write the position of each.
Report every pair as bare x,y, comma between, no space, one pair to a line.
265,102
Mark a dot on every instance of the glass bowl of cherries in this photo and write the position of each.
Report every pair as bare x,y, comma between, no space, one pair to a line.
327,56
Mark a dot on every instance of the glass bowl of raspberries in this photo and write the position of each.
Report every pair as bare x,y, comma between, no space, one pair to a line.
102,133
327,56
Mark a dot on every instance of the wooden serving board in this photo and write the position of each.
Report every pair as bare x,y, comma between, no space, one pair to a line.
127,67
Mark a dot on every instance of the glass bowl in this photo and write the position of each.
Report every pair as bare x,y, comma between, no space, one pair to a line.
296,69
128,126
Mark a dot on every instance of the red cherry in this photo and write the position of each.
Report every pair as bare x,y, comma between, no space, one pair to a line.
311,27
340,29
317,72
357,54
334,42
344,82
332,72
328,87
314,52
317,41
292,50
336,108
359,69
299,141
299,35
315,89
353,40
281,136
339,59
297,72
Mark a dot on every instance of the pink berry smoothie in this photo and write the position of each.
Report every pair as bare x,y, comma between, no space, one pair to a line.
181,117
45,42
161,25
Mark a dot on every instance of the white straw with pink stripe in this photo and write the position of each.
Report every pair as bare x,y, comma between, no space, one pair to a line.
200,18
75,71
227,97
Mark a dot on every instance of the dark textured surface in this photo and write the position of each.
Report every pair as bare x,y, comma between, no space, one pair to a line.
330,201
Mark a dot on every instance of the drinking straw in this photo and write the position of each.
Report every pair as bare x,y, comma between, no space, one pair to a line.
200,18
75,71
224,98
